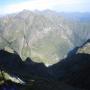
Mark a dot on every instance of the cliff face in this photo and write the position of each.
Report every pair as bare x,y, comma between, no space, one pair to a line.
44,36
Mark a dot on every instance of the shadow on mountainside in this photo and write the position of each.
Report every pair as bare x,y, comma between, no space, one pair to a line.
13,64
74,71
74,51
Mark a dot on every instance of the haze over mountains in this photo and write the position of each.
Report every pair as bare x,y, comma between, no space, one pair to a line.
45,36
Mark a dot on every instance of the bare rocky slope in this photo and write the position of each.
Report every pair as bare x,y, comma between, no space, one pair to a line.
45,36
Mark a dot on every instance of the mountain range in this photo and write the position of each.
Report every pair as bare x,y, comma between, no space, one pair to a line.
44,36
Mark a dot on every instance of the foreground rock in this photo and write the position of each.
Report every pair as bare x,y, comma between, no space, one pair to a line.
71,73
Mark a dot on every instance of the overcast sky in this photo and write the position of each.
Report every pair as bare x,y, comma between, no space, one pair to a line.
11,6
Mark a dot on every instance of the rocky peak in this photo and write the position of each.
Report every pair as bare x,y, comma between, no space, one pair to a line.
85,48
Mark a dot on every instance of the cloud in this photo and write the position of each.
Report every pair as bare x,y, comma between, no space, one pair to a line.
44,4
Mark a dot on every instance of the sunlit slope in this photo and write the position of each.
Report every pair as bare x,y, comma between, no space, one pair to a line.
44,36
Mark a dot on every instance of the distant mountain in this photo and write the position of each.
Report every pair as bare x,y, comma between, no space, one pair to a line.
45,36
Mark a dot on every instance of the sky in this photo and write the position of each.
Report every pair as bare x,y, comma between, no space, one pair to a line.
12,6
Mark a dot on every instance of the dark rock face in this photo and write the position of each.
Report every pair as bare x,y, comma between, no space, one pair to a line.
10,60
79,74
36,69
74,70
12,63
9,85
